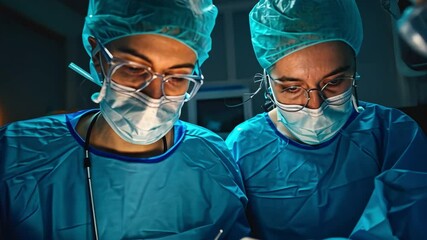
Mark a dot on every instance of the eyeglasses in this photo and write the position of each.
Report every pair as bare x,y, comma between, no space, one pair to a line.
128,73
291,93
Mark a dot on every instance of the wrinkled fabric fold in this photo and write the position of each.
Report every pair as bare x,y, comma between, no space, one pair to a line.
397,207
299,191
190,192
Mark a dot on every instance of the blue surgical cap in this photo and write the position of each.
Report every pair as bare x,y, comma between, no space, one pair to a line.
281,27
188,21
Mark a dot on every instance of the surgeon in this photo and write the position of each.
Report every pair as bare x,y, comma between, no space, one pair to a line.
322,164
130,169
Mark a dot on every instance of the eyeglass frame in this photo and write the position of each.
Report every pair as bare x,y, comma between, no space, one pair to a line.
114,63
267,77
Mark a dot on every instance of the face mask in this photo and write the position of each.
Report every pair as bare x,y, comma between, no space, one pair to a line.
137,118
315,126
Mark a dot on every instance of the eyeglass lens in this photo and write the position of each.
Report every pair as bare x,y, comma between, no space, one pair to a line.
139,77
298,95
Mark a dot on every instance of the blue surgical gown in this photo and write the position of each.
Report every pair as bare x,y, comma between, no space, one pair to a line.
298,191
190,192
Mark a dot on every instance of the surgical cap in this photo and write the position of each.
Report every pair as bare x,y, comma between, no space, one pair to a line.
281,27
188,21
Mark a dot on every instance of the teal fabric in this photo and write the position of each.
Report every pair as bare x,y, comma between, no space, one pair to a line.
298,191
190,192
279,28
190,22
397,208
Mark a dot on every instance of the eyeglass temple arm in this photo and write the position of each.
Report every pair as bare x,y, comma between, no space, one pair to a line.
355,96
108,56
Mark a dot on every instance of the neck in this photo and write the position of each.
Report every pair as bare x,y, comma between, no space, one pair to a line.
104,138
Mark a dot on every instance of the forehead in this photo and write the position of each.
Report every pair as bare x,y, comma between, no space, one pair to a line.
155,47
313,61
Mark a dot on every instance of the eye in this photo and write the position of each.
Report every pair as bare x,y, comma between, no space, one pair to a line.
176,80
292,90
132,73
336,86
134,70
336,81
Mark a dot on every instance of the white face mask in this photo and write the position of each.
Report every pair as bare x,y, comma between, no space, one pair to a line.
137,118
315,126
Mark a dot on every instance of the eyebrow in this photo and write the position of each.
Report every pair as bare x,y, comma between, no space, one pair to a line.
333,72
133,52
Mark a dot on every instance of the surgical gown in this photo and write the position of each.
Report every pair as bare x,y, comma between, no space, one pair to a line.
298,191
192,191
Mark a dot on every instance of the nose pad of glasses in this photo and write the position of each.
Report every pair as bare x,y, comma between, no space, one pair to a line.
154,88
315,100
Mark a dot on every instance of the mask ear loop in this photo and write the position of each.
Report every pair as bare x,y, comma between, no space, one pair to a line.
354,96
97,97
269,100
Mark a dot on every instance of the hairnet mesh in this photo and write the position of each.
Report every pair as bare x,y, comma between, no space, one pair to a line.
281,27
188,21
